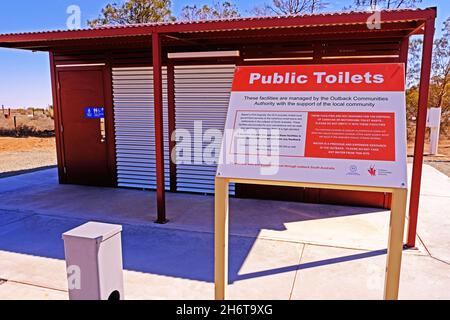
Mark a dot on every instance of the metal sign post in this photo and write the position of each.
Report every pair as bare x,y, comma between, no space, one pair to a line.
395,242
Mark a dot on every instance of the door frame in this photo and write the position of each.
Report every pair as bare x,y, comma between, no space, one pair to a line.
105,68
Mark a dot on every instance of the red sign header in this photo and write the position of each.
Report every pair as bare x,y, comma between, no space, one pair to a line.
334,77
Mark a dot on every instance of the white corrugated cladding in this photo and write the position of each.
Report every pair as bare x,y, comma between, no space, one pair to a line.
202,92
134,127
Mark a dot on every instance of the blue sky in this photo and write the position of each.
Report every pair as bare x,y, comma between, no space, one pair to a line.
25,76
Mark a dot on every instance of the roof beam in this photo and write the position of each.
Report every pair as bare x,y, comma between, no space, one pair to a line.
177,38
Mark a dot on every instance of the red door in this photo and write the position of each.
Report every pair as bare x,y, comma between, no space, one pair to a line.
84,137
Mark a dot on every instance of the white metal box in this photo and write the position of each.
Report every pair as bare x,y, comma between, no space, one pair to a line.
94,262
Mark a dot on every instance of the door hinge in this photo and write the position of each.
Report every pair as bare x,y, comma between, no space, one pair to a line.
58,85
65,170
62,128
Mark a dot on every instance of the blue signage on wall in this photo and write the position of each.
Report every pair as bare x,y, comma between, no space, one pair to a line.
94,112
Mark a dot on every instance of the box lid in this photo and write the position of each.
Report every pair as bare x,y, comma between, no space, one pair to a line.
94,230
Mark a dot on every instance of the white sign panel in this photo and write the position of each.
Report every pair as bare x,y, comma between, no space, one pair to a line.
333,124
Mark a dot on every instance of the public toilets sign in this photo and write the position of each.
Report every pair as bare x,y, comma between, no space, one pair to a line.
332,124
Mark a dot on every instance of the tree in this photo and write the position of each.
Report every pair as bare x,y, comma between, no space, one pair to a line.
412,102
414,61
440,81
439,94
290,7
219,10
441,66
133,12
386,4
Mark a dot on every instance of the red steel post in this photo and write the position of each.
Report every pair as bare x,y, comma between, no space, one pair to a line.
159,128
420,131
171,115
403,55
57,120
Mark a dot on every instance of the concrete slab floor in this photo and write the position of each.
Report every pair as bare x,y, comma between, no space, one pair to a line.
336,273
365,228
14,291
278,250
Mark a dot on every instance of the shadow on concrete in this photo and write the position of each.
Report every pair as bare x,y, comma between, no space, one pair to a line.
313,264
35,211
173,253
20,172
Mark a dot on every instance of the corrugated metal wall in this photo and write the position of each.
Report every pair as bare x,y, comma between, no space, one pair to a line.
134,127
202,93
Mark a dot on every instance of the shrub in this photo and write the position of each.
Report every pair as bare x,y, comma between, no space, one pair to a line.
26,131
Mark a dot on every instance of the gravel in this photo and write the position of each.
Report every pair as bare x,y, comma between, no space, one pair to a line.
25,160
442,166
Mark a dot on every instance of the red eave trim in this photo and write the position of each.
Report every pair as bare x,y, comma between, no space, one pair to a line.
78,34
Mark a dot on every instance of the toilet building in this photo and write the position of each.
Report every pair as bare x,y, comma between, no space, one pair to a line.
120,92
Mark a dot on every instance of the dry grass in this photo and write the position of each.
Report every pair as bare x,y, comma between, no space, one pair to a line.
27,125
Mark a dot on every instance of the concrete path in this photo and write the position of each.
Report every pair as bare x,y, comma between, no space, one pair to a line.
278,250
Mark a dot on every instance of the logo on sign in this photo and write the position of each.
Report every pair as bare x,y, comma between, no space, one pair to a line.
372,171
353,170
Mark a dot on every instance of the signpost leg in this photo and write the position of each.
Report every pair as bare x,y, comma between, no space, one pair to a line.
221,238
395,245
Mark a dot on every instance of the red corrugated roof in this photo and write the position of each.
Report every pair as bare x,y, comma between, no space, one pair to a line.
233,24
